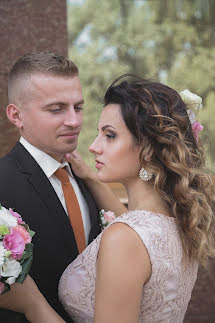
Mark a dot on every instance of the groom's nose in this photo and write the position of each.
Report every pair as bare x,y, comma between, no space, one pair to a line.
73,119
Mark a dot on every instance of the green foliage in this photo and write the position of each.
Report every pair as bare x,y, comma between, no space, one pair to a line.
170,41
26,262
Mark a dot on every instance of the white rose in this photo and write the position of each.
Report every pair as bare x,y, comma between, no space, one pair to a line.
11,269
7,218
192,100
191,116
10,280
2,252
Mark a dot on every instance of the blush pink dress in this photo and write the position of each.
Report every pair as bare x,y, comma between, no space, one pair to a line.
165,296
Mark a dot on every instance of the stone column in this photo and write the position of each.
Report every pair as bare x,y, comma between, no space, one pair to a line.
27,26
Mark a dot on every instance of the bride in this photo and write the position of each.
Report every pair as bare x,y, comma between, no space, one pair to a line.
143,266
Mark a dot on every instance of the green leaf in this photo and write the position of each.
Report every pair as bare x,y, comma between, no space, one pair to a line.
27,252
4,230
32,233
26,263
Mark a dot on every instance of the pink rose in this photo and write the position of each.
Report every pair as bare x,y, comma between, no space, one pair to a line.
1,287
17,215
197,127
15,243
24,233
109,216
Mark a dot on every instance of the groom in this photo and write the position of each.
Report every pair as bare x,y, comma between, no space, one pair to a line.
46,105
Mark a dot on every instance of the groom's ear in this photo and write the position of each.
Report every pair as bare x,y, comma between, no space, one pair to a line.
14,115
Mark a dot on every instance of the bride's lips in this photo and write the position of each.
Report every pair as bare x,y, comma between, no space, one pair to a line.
99,164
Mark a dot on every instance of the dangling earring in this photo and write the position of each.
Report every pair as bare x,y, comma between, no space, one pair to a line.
145,175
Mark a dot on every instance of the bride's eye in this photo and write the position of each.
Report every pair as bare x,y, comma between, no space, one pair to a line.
110,136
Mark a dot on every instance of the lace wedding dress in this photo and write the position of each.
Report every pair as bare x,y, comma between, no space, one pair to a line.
165,296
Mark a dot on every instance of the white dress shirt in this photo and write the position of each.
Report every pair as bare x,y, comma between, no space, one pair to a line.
49,165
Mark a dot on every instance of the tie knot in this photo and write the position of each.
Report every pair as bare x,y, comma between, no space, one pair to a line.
62,175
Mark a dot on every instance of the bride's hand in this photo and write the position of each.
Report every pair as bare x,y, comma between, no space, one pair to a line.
21,297
26,298
80,168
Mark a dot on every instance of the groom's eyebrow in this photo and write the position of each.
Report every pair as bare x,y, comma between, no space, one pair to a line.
54,103
61,103
79,102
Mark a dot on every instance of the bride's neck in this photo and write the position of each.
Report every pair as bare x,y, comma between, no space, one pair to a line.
143,196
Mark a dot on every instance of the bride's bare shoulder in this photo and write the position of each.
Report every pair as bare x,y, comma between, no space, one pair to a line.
120,243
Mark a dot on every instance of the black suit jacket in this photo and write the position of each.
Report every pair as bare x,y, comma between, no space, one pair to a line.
25,187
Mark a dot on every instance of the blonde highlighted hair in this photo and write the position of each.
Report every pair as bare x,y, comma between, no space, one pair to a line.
157,118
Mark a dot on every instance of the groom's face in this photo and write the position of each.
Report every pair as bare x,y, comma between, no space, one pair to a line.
51,114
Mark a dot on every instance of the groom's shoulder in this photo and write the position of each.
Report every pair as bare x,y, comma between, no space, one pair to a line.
9,155
15,149
10,161
12,172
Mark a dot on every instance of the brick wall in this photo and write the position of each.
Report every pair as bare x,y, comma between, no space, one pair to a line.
27,26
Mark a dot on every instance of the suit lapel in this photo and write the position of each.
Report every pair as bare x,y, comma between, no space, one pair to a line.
45,191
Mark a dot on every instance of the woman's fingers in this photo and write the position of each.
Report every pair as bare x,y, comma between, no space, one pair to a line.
80,168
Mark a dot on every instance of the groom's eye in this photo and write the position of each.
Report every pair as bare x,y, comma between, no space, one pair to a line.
55,110
78,108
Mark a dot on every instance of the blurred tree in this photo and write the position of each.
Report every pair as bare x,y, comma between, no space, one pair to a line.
170,41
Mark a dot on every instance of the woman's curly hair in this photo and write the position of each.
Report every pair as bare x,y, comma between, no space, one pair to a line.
157,118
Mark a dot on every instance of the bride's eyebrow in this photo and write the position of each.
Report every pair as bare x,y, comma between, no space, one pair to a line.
107,126
104,127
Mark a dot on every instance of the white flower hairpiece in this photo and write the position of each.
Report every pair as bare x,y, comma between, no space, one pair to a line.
192,100
193,103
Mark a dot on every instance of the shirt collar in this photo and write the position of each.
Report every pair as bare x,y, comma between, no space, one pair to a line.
48,164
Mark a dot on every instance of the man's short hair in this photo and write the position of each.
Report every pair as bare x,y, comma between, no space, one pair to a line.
35,63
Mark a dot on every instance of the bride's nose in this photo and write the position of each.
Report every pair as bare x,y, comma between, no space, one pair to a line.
95,147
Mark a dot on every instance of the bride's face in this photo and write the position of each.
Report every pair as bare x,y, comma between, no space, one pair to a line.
116,154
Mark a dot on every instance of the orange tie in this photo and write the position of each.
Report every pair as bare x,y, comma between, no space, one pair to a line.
73,208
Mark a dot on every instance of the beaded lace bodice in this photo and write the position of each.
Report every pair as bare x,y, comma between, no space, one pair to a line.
166,294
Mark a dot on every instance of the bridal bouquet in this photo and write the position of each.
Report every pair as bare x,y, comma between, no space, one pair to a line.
106,218
16,249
